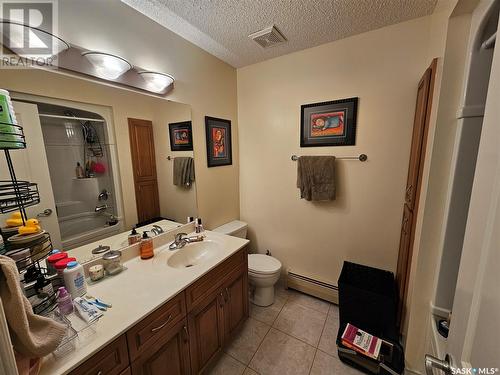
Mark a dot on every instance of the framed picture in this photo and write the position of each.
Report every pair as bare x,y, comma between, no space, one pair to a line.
181,136
329,123
218,133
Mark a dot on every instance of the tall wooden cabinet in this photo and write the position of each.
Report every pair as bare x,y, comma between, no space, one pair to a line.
414,182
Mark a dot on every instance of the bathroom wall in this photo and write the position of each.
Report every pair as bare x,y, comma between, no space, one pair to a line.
176,203
382,68
203,81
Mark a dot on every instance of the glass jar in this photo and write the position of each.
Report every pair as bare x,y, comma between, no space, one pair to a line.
113,262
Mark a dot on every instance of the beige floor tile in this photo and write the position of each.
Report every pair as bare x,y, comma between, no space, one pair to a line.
328,341
227,366
249,371
268,314
301,322
308,301
247,341
281,354
325,364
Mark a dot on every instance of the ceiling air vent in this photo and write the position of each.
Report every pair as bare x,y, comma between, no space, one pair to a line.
268,37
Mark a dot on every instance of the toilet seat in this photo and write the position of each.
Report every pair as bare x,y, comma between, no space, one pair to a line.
260,264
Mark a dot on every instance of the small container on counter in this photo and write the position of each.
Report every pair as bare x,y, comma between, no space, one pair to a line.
61,265
96,272
146,248
134,237
52,260
64,301
74,279
113,262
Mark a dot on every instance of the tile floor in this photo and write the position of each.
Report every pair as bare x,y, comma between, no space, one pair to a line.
295,335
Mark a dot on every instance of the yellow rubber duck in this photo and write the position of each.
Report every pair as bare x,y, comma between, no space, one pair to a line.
32,226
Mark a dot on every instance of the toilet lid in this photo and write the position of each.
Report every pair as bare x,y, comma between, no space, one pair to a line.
263,264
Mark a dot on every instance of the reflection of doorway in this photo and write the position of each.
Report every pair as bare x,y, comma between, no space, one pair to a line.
143,162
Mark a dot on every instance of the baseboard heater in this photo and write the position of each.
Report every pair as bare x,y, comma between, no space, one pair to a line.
313,287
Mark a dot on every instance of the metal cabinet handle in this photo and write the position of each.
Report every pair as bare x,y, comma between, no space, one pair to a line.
436,363
228,295
222,299
45,213
99,373
186,334
156,329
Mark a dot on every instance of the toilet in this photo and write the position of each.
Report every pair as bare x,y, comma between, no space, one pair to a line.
263,270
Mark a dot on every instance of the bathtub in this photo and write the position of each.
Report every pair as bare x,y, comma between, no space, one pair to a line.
83,228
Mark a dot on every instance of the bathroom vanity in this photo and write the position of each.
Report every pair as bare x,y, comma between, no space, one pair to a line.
167,317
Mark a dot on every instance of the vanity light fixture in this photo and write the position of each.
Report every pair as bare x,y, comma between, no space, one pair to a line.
42,44
156,82
106,65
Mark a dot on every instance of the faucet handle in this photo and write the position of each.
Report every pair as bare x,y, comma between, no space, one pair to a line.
178,236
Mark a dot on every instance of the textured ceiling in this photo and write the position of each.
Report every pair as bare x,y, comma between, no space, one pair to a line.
221,27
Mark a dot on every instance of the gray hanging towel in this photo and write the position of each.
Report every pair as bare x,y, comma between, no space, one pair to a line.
183,171
316,178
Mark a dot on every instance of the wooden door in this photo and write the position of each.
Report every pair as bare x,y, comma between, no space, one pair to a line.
206,330
235,307
414,181
169,355
144,165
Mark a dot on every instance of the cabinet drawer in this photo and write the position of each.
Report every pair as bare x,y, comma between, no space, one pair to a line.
111,360
154,326
213,280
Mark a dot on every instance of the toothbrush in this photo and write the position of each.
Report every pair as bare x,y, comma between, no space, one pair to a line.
97,300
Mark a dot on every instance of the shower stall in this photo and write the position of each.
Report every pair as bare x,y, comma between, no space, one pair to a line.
80,162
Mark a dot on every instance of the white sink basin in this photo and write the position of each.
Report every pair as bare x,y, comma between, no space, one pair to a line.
194,254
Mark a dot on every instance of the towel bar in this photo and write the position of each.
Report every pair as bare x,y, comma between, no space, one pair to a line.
361,157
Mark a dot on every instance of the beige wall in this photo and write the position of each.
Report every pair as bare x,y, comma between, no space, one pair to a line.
203,81
176,202
382,68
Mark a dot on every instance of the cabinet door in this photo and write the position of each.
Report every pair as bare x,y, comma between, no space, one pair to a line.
404,259
166,356
206,331
235,308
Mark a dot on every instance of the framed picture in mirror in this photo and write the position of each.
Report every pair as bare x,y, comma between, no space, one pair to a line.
218,134
181,136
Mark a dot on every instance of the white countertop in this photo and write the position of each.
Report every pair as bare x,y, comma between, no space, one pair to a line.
117,242
134,293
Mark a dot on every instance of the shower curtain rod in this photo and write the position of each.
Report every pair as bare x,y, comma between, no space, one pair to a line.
360,157
71,117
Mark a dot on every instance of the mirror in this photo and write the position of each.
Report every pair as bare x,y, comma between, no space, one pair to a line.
85,189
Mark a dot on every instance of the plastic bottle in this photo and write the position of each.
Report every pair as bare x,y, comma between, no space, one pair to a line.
74,279
198,227
64,301
79,171
134,237
146,247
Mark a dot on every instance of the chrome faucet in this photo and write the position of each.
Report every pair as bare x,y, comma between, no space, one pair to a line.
182,240
101,207
157,230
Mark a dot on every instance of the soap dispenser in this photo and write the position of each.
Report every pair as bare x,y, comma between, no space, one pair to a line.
134,237
146,247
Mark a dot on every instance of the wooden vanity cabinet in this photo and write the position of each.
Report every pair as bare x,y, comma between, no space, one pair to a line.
187,333
213,320
169,355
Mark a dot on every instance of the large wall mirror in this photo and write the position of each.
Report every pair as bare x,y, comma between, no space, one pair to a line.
78,156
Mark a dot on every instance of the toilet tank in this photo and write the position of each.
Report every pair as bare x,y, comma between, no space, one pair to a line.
234,228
